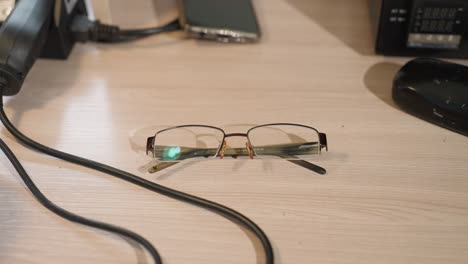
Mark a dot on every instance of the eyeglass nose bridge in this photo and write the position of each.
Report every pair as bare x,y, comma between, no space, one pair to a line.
236,135
248,146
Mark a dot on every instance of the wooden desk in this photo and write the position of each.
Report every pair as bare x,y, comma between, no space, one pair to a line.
396,189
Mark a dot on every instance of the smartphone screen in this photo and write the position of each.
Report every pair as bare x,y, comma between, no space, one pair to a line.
225,20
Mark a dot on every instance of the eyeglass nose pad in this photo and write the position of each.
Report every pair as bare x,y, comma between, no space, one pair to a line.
223,148
249,149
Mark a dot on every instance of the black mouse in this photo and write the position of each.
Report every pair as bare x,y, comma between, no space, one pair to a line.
434,90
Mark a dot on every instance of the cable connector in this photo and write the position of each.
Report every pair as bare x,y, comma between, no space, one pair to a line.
85,30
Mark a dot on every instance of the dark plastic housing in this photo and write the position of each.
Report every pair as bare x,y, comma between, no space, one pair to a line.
60,39
435,91
22,37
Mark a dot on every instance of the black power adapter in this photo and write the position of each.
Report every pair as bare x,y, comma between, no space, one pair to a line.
35,28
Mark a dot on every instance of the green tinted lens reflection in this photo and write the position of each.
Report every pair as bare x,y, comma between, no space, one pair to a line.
171,153
180,143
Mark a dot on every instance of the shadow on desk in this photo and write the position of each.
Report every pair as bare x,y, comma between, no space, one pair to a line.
379,80
349,21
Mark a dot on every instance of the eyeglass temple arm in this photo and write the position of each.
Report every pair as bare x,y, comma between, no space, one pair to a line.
158,166
309,165
306,164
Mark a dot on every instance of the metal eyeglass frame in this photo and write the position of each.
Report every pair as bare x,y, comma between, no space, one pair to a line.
221,151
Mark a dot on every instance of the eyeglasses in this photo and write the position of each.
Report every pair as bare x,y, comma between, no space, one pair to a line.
292,142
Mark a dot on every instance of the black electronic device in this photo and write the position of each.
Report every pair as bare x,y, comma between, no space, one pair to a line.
421,28
221,20
35,28
22,37
434,90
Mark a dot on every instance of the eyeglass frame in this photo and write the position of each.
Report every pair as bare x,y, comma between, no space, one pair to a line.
322,137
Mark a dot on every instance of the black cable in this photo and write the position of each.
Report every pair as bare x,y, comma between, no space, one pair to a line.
174,25
209,205
85,30
71,216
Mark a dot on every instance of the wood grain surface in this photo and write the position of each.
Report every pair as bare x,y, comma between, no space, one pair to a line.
396,189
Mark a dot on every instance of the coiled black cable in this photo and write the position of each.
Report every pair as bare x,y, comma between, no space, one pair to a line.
71,216
209,205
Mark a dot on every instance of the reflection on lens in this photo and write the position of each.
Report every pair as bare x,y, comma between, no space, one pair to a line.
186,142
171,153
284,141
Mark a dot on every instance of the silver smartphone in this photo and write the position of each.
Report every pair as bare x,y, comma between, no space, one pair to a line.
221,20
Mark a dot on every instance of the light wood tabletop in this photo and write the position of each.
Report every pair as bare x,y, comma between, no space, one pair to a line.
396,190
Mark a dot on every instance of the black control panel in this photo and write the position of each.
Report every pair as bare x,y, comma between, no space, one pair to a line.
422,28
438,26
